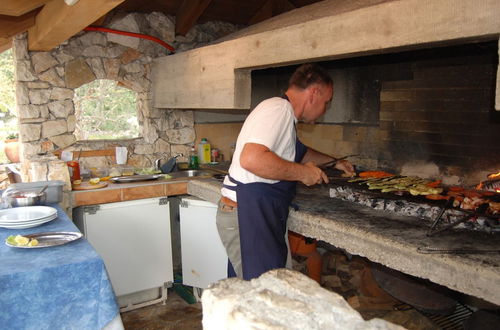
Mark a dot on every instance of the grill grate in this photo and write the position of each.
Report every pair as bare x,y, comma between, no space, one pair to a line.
454,321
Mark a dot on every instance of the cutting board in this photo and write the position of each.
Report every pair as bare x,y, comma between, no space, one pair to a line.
88,186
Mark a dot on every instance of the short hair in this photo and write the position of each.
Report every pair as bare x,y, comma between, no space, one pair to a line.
308,74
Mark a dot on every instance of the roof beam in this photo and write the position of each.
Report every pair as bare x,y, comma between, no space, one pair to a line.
188,14
57,21
20,7
12,25
269,9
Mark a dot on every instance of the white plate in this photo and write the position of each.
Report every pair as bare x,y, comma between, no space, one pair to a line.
50,239
27,224
26,213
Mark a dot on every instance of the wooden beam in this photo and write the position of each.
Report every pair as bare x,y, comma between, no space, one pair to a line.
269,9
20,7
57,21
12,25
188,14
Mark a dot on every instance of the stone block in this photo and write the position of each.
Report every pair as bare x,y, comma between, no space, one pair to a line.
39,96
280,299
129,24
24,72
78,73
60,94
95,64
52,128
53,78
43,61
61,109
181,136
63,141
30,132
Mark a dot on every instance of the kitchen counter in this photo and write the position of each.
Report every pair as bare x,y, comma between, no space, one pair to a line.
119,192
389,239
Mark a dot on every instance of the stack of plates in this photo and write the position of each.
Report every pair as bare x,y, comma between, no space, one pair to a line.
26,217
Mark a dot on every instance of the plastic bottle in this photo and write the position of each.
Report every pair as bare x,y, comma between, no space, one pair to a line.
194,163
204,153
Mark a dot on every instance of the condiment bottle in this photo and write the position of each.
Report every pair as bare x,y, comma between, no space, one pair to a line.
204,151
193,159
74,170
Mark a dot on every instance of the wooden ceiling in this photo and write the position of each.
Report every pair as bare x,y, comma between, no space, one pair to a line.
51,22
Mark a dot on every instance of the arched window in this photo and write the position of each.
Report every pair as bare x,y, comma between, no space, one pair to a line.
105,111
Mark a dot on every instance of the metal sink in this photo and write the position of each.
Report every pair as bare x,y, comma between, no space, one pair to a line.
191,174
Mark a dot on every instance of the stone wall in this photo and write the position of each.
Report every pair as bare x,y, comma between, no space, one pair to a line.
45,83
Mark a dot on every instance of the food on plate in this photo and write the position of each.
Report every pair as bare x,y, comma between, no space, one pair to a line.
114,172
94,180
147,171
77,182
105,178
19,240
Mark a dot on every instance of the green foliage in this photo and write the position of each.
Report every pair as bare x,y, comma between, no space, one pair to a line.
7,87
105,111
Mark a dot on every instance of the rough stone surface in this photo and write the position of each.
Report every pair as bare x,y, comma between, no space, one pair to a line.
129,24
43,61
61,109
52,78
30,132
61,94
388,239
46,82
280,299
22,93
51,128
78,73
39,96
181,136
24,71
63,141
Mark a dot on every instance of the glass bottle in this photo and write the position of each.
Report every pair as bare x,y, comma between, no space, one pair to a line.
194,163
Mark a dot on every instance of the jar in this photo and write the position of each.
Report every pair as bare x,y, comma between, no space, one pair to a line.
74,170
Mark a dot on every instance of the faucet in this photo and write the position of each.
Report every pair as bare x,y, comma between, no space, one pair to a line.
157,161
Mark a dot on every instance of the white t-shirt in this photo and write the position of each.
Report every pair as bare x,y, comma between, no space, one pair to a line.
272,124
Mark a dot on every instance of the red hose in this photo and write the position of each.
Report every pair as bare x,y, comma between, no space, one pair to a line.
131,34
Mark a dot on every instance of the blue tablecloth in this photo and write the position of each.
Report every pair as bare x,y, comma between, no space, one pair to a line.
60,287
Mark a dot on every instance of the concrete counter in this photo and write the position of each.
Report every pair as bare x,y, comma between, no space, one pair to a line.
389,239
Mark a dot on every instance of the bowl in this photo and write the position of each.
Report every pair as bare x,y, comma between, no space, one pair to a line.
25,199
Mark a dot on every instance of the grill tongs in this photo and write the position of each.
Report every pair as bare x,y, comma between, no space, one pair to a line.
335,161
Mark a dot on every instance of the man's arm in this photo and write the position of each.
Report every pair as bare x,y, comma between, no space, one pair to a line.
320,158
261,161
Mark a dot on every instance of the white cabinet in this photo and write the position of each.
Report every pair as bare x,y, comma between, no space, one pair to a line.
204,259
134,240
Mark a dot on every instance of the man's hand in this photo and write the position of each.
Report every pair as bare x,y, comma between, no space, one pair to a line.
313,175
346,166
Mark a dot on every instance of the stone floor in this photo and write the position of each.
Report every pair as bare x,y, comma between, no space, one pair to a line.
174,314
349,277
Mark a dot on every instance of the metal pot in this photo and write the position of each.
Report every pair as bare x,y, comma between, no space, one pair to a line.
25,199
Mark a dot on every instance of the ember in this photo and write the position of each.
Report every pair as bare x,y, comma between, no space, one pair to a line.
492,184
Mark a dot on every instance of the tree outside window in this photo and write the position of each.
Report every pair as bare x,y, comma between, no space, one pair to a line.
105,111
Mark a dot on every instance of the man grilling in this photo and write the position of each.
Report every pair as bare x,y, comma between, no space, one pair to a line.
267,163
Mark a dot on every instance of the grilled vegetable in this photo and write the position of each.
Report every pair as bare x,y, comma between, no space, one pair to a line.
374,174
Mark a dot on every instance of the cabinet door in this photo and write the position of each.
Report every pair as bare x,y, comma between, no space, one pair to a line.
134,240
204,259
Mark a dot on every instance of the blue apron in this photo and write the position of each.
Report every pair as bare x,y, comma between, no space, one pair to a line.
262,215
